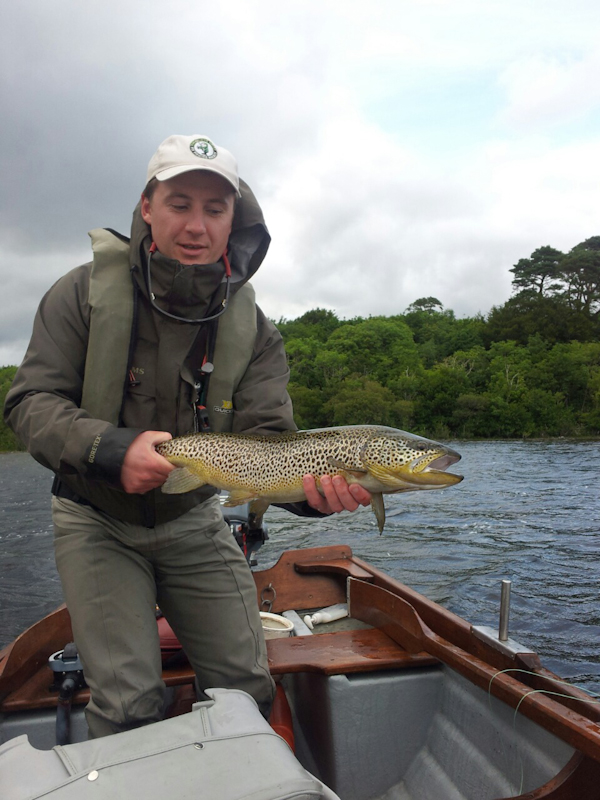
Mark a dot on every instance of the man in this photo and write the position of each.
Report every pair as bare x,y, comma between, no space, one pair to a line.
158,336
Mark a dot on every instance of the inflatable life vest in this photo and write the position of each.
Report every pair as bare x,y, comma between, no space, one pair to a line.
111,298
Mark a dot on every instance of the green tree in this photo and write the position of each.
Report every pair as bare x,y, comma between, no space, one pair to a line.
548,413
308,406
377,347
581,273
527,314
510,365
568,369
540,273
317,324
439,390
508,418
531,368
475,364
470,417
439,333
427,304
331,365
301,354
360,400
590,417
8,441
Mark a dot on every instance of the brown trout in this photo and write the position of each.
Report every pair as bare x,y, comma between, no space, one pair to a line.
260,470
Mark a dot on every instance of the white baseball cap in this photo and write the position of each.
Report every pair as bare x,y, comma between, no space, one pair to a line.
179,154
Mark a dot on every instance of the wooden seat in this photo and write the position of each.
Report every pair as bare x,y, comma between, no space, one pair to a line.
335,653
341,652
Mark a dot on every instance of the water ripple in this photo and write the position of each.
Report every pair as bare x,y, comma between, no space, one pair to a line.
527,511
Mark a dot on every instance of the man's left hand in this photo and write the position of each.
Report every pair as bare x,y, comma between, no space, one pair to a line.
339,495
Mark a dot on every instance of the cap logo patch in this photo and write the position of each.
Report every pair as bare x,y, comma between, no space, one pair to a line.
203,148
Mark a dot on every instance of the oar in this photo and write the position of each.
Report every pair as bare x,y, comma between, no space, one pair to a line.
400,621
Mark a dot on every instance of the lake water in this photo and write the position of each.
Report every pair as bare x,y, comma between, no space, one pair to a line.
527,511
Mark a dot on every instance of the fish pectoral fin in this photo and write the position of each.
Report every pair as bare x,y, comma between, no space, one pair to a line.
181,480
378,509
237,497
256,512
356,472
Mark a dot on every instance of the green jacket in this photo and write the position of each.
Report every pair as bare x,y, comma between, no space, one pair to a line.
44,404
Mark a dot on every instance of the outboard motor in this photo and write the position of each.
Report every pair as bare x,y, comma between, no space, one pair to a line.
68,679
249,537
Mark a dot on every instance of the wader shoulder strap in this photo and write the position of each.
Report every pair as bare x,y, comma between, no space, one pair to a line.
111,301
234,346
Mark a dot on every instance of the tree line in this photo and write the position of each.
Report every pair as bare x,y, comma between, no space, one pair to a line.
531,367
8,441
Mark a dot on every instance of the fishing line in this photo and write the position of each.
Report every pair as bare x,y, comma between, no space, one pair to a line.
548,678
590,699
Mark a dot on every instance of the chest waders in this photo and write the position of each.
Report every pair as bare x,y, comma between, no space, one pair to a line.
112,321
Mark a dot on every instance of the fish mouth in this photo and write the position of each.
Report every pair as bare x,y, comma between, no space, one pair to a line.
433,472
444,461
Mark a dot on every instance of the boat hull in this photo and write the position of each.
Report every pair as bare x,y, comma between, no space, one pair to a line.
400,701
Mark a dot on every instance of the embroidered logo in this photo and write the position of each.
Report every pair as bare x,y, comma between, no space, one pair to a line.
226,407
203,148
94,449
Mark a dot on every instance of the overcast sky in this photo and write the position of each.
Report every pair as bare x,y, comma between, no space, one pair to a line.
399,148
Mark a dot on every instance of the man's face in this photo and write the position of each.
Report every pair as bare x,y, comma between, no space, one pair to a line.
191,216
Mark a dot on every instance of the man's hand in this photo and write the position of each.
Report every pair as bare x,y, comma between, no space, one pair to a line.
143,468
339,495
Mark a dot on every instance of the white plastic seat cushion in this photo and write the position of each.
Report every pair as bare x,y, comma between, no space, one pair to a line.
222,750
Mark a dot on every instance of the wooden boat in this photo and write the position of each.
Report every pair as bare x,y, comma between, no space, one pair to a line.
401,701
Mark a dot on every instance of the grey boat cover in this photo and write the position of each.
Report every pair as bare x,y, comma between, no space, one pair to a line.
222,750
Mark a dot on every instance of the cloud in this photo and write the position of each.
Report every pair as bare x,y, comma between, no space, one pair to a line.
399,149
547,90
368,227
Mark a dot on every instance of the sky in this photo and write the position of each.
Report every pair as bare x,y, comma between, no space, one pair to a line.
399,148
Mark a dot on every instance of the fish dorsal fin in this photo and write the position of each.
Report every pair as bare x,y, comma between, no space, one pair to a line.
181,480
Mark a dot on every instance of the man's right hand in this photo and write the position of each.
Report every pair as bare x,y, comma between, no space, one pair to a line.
143,468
